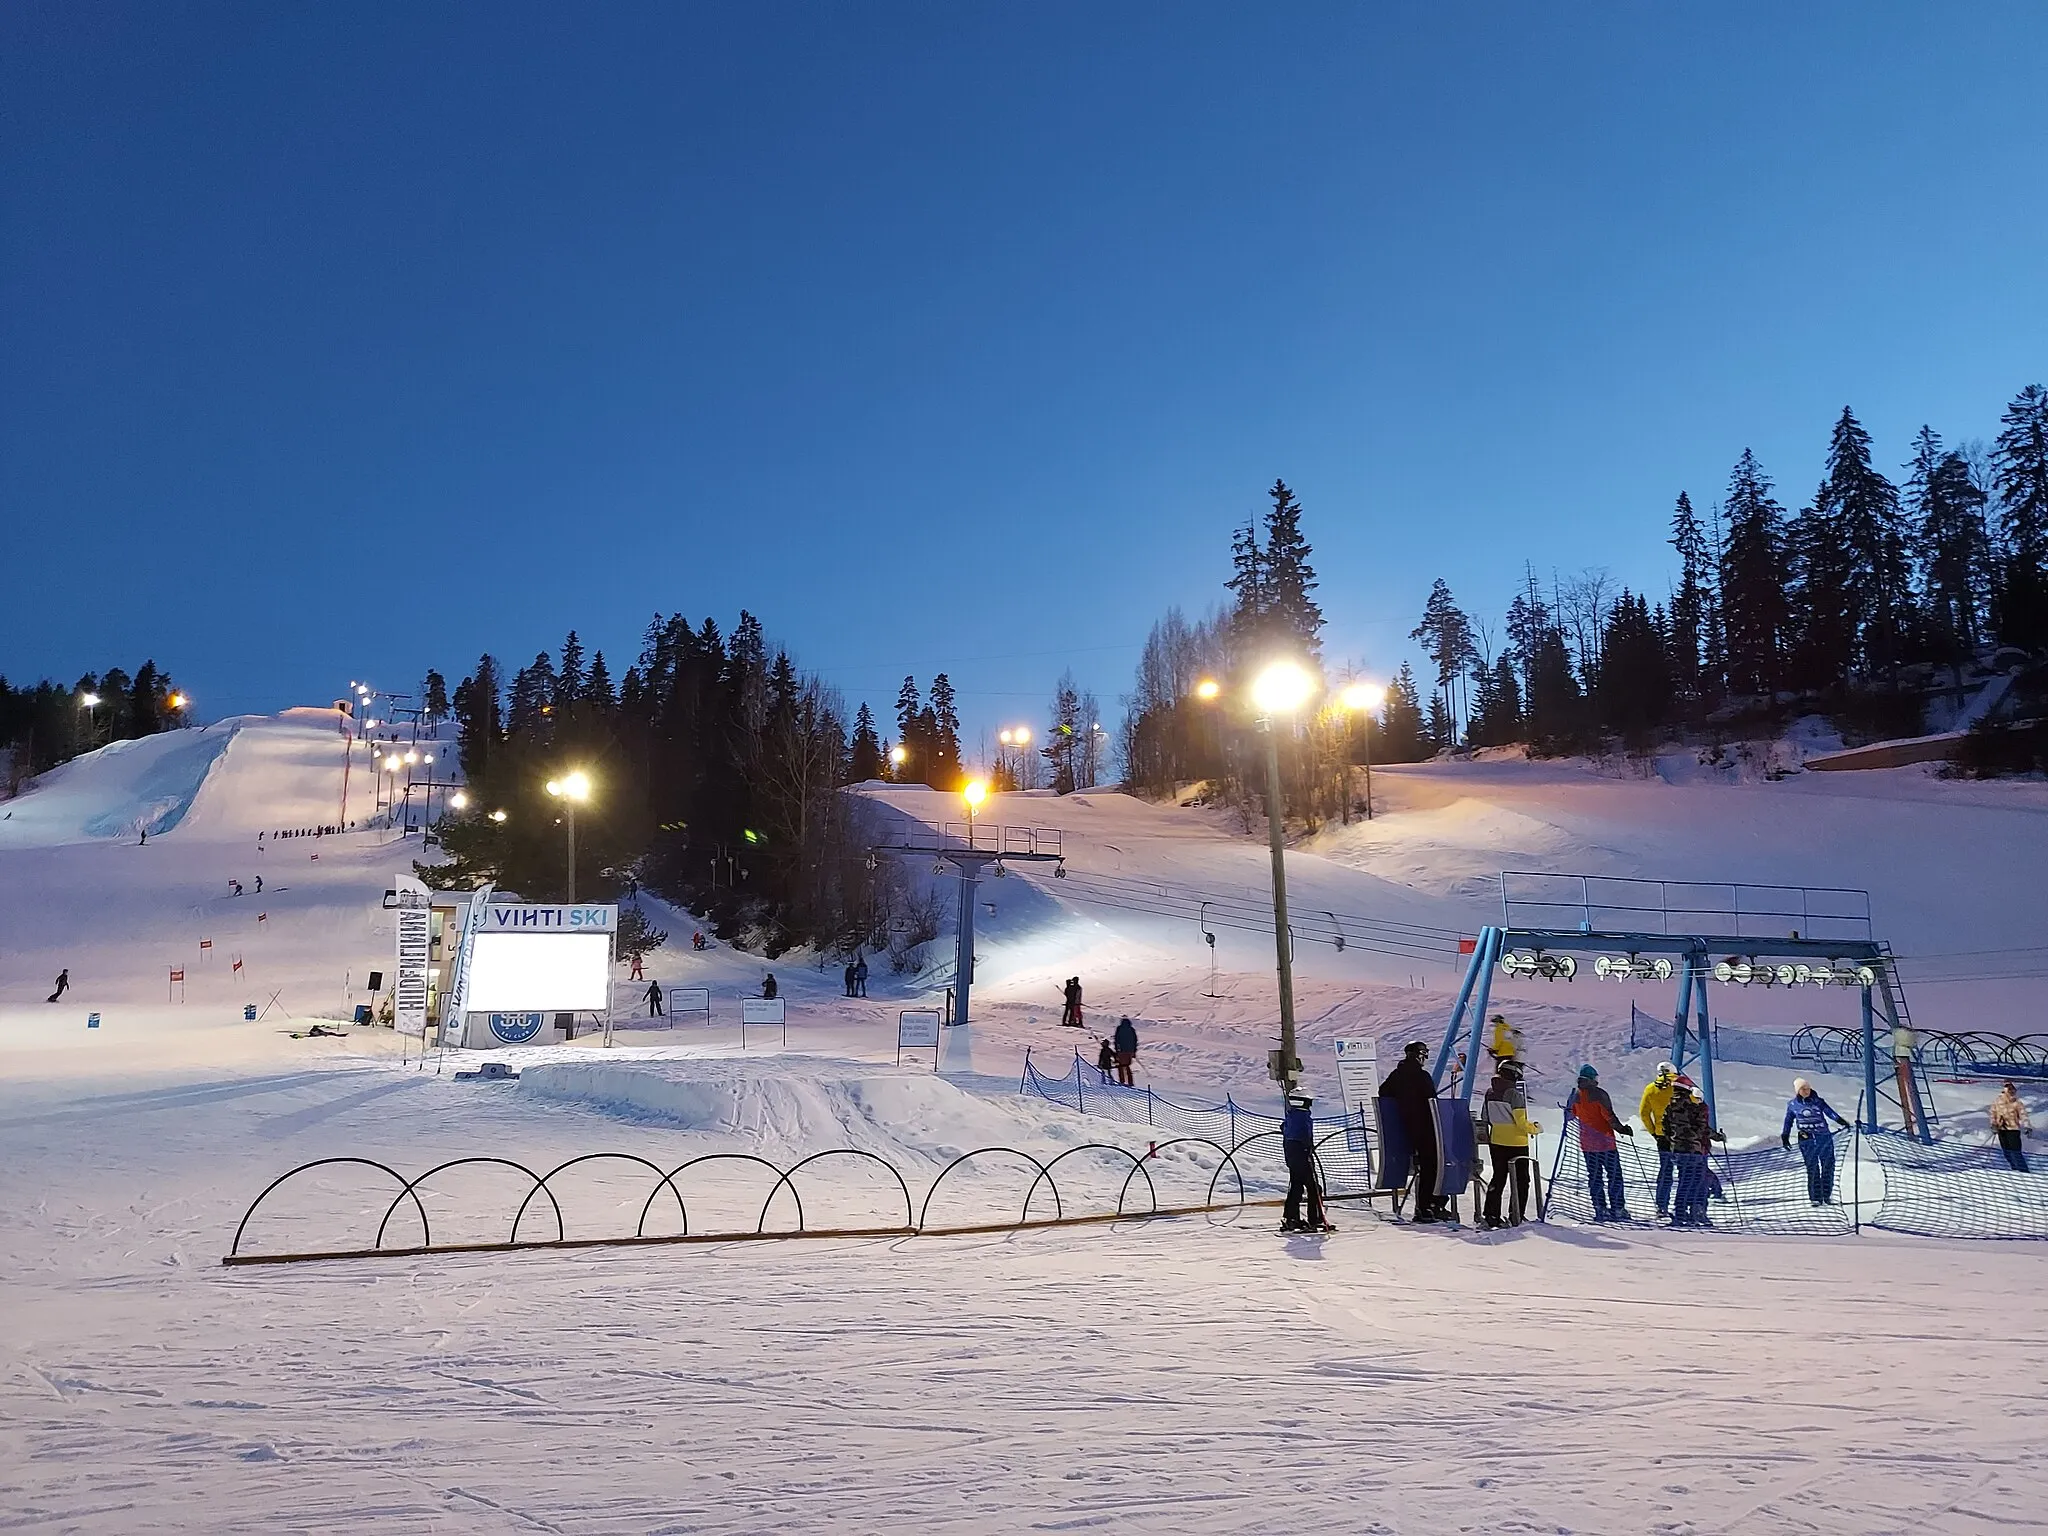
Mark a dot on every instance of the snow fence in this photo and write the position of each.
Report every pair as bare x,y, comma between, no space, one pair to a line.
1959,1189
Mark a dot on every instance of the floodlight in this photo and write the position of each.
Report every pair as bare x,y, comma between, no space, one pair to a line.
497,816
428,758
899,755
179,701
1283,688
89,700
1023,735
1207,689
976,791
1363,696
412,757
458,800
1004,735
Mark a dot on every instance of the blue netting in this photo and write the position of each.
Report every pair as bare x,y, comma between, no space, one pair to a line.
1959,1189
1344,1150
1763,1189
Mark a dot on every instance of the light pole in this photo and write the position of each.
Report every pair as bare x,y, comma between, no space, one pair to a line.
1362,699
898,756
975,792
571,789
92,729
1280,690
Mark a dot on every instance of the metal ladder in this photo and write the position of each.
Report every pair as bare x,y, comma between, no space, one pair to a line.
1893,993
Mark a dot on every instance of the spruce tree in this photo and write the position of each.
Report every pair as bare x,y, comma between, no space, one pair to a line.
1688,643
1401,724
568,677
909,733
1293,616
598,698
1752,584
434,696
865,762
2019,463
478,724
1446,638
945,738
1947,510
1248,599
1859,510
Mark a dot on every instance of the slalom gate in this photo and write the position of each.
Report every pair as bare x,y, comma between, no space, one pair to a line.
1148,1187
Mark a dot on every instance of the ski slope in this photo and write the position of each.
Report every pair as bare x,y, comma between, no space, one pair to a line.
1194,1376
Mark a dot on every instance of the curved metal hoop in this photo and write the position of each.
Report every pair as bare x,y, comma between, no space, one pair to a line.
404,1189
1045,1177
1178,1141
594,1157
1236,1168
925,1209
1365,1152
673,1174
789,1179
412,1188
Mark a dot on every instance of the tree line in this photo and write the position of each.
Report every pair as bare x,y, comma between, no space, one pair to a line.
44,724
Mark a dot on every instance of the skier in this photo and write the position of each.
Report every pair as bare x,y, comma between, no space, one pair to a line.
860,975
1070,1009
1126,1041
1811,1113
768,985
259,885
654,1000
636,973
144,839
1598,1126
1413,1091
1105,1061
2009,1120
1298,1143
1656,1099
234,887
1507,1040
1508,1129
63,984
1690,1126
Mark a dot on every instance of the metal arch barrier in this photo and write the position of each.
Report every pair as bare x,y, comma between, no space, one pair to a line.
673,1174
1161,1146
925,1209
1364,1152
2026,1051
404,1189
1235,1167
596,1157
412,1188
789,1179
1045,1177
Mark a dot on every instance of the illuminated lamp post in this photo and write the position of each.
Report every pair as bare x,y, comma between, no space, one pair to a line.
1361,699
572,789
1281,689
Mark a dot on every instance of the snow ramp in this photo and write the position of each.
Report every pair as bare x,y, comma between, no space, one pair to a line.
118,791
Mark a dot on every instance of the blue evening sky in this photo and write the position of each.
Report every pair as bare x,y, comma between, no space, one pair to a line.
345,340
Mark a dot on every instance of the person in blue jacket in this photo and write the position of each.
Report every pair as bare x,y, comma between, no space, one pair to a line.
1811,1113
1298,1143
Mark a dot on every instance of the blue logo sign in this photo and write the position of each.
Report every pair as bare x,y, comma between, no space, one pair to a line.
92,1021
516,1028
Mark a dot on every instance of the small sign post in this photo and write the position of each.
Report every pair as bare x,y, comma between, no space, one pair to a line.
1358,1082
763,1010
917,1029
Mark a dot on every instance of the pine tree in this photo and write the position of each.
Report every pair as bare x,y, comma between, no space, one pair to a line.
1634,685
1248,590
1862,507
1688,644
598,697
2020,466
1947,509
1293,615
1446,638
434,696
1401,725
1752,583
910,734
1555,704
479,727
1063,736
568,677
945,739
865,762
1442,731
532,703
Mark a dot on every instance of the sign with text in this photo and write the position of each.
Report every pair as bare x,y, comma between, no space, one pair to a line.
409,990
1358,1083
762,1010
536,919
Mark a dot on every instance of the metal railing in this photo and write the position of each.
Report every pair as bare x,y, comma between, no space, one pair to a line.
1627,904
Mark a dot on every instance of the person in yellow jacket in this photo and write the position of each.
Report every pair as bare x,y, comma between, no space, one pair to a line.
1656,1099
1507,1040
1508,1129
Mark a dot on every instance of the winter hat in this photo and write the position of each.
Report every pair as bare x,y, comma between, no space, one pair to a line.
1684,1081
1587,1071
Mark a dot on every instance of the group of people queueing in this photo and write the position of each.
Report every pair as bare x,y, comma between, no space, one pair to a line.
1118,1054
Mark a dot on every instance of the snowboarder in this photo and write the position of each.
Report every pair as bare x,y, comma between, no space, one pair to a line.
1105,1061
1811,1113
1413,1091
1508,1129
2009,1120
63,984
860,975
259,885
1298,1143
1126,1041
1598,1126
1650,1110
144,839
768,985
654,1000
1690,1126
234,887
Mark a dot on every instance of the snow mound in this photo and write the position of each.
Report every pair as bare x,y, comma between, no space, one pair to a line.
119,790
791,1108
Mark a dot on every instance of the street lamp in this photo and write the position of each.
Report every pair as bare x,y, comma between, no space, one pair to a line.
1207,689
975,792
498,817
458,801
1280,690
91,702
1363,699
572,789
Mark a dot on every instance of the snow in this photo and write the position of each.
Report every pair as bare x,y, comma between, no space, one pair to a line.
1188,1376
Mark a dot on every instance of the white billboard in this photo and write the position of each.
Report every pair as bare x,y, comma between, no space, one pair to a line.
539,971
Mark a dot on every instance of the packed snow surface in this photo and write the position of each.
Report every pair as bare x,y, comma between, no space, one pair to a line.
1193,1375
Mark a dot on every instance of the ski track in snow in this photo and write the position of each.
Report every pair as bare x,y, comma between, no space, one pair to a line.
1185,1377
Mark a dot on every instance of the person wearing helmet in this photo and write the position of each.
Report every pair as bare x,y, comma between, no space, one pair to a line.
1298,1145
1811,1113
1413,1092
1508,1129
1690,1126
1507,1040
1598,1126
1650,1110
